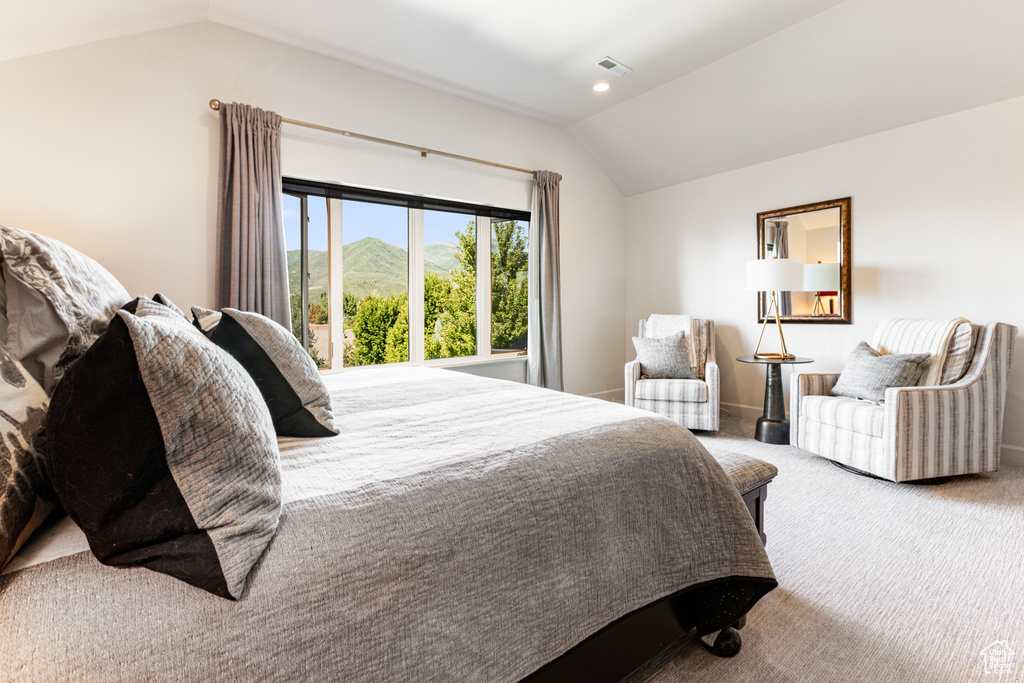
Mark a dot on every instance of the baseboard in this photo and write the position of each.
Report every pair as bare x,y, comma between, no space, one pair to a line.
744,412
1012,455
613,395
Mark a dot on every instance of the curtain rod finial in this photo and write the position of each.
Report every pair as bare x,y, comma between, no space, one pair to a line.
215,105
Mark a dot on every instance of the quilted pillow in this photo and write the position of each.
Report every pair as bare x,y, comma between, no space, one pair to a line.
25,496
868,373
58,302
285,374
663,357
158,298
161,449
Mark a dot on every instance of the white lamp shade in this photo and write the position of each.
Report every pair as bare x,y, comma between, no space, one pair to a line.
775,275
821,277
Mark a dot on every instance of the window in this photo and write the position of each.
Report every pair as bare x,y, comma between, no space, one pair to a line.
394,278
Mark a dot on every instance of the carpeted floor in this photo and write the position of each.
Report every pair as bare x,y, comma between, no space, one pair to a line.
877,581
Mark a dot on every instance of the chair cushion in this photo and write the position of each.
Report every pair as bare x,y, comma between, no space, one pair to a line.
685,390
846,413
868,373
935,337
663,357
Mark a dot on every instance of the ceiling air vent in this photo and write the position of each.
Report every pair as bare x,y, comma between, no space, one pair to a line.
617,68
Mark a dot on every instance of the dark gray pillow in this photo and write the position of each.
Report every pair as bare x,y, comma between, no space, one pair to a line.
161,449
868,373
287,377
663,357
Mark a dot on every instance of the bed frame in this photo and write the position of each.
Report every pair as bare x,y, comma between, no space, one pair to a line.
612,653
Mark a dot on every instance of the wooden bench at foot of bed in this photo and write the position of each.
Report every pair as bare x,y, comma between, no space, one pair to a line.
611,654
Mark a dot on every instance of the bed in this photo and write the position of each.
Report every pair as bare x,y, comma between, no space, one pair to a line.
456,528
460,529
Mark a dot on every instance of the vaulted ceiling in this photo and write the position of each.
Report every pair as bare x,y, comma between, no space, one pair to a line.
716,84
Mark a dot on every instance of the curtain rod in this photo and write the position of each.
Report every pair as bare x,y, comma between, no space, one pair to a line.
424,151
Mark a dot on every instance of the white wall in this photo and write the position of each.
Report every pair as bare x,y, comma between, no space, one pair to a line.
937,231
111,147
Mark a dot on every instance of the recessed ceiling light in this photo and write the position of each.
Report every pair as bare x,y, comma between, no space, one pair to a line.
601,87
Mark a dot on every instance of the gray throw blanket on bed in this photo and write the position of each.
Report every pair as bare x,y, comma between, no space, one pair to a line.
457,529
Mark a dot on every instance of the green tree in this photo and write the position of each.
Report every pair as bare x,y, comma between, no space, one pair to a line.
318,310
396,348
375,317
509,293
349,305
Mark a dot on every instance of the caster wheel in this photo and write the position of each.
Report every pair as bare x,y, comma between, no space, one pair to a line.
727,644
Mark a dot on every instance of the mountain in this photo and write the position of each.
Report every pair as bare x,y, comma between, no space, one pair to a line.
439,257
372,266
317,271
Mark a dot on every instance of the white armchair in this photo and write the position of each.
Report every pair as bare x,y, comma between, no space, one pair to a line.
918,432
693,403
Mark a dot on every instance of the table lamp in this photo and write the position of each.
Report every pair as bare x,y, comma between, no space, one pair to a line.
774,275
822,279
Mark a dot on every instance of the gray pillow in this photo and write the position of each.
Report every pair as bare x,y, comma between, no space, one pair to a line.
663,357
58,302
25,500
868,373
161,449
287,377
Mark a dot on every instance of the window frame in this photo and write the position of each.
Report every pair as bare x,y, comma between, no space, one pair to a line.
335,194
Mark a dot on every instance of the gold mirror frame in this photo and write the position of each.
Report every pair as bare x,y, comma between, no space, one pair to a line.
845,298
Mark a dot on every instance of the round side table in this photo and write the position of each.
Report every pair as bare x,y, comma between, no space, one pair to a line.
773,427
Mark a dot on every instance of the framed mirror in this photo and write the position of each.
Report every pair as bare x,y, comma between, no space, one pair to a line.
818,234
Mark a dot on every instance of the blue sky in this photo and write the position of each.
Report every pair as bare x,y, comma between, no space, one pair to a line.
360,219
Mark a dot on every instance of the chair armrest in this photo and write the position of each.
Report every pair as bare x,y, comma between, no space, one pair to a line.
806,384
712,377
632,375
938,431
812,383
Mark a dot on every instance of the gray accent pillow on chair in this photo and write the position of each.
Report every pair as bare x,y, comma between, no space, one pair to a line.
663,357
868,373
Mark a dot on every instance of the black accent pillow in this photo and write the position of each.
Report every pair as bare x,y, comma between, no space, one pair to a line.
161,449
289,380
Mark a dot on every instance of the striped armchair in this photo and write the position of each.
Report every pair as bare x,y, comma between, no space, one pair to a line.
948,426
693,403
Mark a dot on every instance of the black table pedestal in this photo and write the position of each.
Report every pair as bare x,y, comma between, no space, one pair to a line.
773,427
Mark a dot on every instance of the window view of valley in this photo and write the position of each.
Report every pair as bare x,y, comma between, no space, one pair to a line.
375,285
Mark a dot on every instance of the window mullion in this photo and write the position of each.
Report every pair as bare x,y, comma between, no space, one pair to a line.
483,287
304,269
335,282
416,274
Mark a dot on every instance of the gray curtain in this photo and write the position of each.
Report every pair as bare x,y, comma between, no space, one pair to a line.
545,326
782,251
252,267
